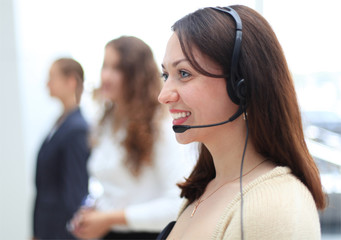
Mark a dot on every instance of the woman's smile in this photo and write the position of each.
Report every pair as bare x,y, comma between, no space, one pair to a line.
179,116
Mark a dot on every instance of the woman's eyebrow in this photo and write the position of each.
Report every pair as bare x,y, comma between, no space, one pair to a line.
174,64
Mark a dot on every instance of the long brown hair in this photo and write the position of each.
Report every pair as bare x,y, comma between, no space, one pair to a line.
140,111
274,117
70,67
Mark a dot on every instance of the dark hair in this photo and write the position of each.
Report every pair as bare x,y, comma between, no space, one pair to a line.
140,86
274,117
70,67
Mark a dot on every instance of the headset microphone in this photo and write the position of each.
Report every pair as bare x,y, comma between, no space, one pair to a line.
183,128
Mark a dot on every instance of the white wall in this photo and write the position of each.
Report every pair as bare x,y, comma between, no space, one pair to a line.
310,35
14,211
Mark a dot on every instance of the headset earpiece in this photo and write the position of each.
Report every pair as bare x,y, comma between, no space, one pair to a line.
231,91
238,92
241,91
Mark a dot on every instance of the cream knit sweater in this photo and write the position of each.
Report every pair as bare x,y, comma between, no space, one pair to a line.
276,206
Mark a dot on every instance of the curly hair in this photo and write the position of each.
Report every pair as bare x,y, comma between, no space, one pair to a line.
139,109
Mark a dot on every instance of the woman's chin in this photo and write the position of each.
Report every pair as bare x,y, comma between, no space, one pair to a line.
183,138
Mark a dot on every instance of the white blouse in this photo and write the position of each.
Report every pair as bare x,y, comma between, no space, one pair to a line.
152,199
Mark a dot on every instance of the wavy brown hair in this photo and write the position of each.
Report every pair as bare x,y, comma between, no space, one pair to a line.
273,112
140,111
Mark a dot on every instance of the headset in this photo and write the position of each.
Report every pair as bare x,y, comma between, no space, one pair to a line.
236,87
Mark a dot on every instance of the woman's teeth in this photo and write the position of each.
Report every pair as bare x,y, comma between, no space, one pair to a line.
179,115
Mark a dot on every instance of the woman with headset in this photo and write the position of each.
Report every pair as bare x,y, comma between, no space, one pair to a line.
228,86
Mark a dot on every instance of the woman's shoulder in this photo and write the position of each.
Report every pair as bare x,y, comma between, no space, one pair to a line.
282,203
279,188
277,205
278,181
75,122
275,191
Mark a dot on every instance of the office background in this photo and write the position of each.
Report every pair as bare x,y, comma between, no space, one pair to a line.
36,32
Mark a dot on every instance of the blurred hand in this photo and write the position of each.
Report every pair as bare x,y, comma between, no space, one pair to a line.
90,224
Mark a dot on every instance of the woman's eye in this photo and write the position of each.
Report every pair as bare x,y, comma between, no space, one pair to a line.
184,74
164,76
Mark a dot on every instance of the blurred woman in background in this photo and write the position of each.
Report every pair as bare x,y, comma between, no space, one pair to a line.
135,157
61,171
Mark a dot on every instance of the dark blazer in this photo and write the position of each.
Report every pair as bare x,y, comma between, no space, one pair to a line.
61,177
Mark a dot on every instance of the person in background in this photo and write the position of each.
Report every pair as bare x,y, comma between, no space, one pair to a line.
61,169
254,178
135,157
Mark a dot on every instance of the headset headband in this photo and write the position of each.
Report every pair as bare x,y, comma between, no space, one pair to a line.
233,82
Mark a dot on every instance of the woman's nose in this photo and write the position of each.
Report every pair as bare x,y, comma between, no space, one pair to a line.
168,94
